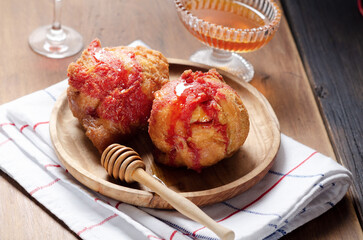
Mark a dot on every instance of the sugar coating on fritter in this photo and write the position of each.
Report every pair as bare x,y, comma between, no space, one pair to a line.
111,90
197,120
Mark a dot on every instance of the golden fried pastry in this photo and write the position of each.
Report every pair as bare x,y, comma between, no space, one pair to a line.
197,120
111,90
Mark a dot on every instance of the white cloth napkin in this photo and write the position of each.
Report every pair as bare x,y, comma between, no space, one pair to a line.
301,185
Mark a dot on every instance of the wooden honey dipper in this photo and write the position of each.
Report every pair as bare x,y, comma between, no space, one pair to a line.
126,164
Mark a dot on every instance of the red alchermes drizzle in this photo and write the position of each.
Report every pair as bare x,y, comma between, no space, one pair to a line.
116,83
191,91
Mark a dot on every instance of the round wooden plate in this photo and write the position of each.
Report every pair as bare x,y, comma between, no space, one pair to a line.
214,184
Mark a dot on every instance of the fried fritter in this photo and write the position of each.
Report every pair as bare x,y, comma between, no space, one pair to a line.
111,90
197,120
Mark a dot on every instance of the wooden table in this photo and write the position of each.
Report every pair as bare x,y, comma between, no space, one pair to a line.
280,76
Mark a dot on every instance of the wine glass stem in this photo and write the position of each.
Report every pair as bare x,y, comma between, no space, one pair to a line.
57,15
221,56
56,35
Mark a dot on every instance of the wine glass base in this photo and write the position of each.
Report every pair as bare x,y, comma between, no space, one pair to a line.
236,64
71,44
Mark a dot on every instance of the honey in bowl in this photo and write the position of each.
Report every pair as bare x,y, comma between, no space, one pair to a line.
230,25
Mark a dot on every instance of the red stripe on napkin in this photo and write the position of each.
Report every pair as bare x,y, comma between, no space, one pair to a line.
96,225
173,234
22,128
4,124
39,123
7,140
45,186
152,236
118,204
52,165
97,199
263,194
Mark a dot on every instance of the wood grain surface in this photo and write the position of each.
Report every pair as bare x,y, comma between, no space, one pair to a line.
329,36
280,76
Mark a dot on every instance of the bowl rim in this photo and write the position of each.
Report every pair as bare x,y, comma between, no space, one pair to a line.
271,25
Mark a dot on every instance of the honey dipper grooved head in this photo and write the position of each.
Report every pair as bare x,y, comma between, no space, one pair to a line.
121,161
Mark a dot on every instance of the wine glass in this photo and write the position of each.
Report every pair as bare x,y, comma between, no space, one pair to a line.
229,27
56,41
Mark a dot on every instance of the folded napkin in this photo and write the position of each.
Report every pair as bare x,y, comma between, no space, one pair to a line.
301,185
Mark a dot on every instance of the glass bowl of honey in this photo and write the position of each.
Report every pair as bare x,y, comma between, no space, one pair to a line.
228,28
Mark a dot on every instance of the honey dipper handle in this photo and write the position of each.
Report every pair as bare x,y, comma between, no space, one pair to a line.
183,205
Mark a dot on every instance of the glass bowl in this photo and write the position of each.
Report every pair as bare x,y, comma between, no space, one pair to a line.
229,27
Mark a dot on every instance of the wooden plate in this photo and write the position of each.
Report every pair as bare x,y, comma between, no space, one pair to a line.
217,183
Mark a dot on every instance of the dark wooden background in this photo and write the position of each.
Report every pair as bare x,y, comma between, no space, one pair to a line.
329,37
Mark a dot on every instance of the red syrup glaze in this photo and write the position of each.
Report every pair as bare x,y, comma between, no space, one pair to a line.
118,88
196,91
